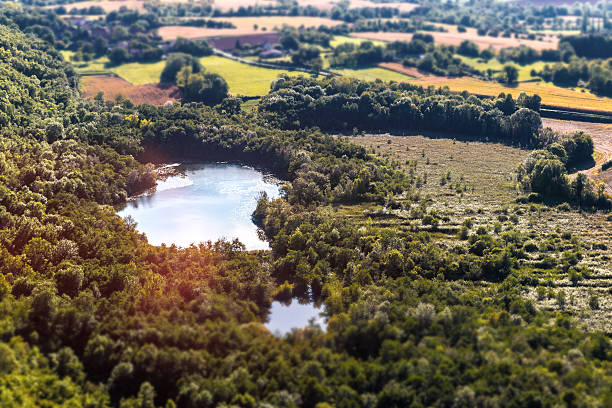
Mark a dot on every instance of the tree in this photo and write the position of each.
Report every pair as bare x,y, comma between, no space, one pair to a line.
307,57
175,63
210,89
510,74
118,55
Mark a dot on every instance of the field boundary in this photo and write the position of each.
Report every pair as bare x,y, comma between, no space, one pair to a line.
228,55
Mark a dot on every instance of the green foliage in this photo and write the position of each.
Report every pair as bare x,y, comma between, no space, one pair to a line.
175,63
92,315
210,89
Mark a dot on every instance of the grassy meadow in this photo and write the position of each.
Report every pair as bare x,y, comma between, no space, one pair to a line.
476,180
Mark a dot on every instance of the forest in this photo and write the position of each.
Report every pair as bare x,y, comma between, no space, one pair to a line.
93,315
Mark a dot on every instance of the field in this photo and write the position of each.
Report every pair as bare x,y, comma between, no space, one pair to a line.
602,139
482,187
455,38
551,94
108,6
154,94
341,39
244,26
139,73
410,71
242,79
372,74
496,65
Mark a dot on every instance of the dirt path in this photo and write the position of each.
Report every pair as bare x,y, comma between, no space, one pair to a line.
602,139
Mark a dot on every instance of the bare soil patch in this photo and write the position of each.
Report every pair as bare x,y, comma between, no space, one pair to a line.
455,38
154,94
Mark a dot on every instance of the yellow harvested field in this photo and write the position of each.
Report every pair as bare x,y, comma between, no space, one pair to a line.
108,6
551,95
455,38
397,67
244,26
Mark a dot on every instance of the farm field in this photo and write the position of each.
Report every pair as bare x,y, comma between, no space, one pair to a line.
455,38
496,65
244,26
242,79
480,183
154,94
551,94
342,39
602,140
372,74
108,6
139,73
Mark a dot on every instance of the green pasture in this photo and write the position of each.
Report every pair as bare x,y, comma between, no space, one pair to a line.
496,65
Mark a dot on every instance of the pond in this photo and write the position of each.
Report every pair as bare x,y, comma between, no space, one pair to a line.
202,202
283,317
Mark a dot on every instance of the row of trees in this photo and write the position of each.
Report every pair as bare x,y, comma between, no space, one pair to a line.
342,104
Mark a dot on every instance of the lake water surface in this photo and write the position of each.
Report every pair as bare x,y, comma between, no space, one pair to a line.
205,202
283,318
211,201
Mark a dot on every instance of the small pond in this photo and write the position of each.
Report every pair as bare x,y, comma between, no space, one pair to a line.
202,202
283,317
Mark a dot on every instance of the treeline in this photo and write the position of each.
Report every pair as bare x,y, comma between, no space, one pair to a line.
342,104
590,45
546,172
594,75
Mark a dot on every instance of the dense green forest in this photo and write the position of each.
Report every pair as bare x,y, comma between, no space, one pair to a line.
92,315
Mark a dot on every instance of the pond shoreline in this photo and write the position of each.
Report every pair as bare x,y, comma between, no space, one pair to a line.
202,201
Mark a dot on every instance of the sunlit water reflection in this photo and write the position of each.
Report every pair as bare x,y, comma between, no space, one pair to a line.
283,318
206,202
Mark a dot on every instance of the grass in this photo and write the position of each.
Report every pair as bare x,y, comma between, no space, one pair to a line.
373,73
244,79
550,94
341,39
97,66
496,65
139,73
477,180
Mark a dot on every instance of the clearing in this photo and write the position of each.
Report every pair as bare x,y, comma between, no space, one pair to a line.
471,179
154,94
